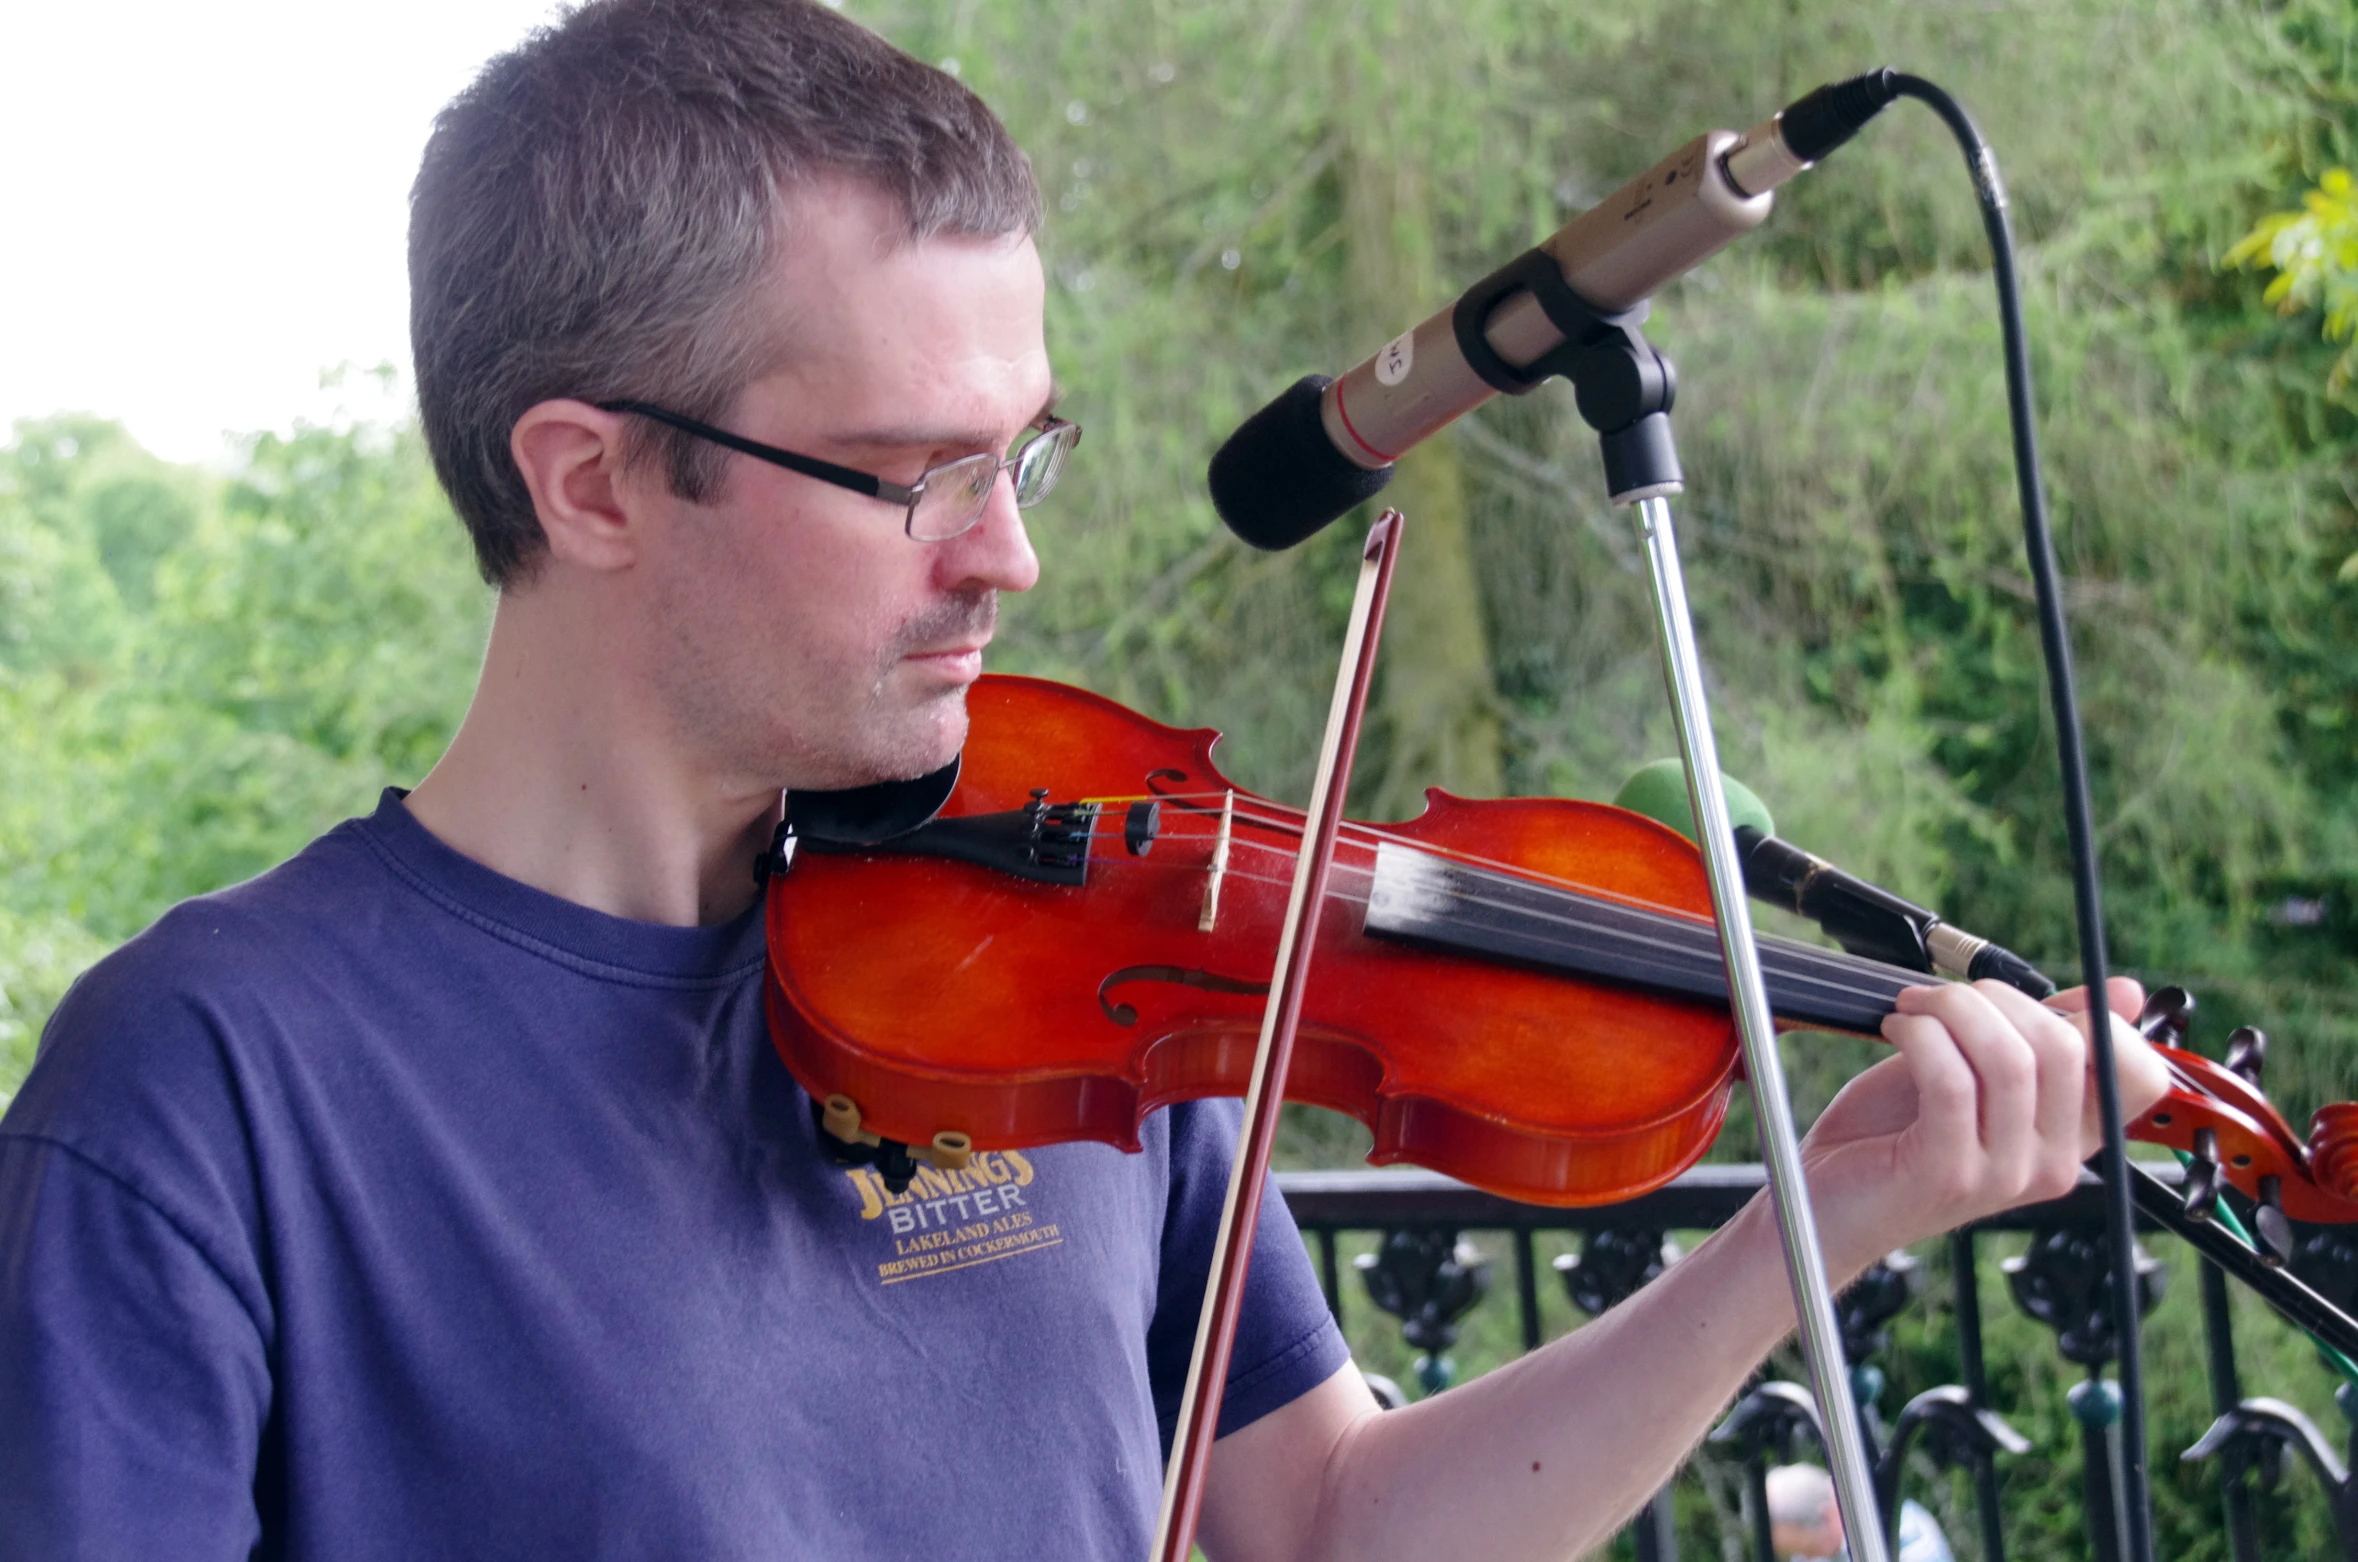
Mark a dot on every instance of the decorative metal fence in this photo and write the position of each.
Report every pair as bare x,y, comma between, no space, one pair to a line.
1422,1273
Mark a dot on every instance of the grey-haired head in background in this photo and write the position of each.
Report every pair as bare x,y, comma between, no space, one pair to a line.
595,213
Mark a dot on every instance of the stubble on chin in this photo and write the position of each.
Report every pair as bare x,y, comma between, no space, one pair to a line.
906,737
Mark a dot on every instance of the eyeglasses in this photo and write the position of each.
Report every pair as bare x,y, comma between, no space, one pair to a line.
944,502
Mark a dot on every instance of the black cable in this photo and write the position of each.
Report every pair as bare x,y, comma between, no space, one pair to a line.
2078,817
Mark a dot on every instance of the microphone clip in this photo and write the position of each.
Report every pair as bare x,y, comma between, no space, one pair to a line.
1624,387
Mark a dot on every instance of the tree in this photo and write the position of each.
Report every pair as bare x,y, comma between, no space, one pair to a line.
198,675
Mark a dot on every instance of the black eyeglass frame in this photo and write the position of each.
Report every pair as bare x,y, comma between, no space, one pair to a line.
859,482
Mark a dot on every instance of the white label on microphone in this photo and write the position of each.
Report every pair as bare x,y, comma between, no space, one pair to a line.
1393,362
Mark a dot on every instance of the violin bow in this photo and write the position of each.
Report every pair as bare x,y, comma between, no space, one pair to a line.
1215,1333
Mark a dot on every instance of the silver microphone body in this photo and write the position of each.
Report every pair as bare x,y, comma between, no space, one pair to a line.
1615,255
1321,448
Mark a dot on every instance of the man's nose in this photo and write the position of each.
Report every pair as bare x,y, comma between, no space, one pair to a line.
996,552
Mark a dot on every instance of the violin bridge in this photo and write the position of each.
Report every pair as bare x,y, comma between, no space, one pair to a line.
1211,912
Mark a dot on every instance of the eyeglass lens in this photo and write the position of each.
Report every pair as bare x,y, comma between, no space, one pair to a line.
956,492
953,496
1041,461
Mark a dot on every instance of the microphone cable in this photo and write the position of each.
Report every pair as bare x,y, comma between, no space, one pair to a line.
2038,538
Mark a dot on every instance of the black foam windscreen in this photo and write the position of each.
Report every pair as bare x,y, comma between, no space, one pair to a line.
1280,478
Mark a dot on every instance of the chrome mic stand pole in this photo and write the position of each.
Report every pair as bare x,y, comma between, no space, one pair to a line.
1805,1265
1625,389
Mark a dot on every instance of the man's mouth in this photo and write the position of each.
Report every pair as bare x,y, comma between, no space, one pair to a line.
948,642
960,663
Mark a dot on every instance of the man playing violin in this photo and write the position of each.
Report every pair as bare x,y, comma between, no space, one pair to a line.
438,1192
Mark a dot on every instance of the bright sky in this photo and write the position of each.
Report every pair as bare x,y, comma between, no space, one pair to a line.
206,203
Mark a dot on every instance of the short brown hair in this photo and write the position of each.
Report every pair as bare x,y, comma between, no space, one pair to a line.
594,212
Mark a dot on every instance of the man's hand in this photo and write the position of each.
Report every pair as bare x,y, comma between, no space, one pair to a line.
1990,1104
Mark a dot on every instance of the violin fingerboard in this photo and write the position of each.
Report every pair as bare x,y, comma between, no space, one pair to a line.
1421,898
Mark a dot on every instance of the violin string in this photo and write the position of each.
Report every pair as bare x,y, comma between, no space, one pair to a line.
1284,821
1371,837
1827,969
1830,967
1807,962
1636,925
1376,834
1832,964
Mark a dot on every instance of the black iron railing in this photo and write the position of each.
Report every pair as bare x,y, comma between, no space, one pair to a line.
1423,1274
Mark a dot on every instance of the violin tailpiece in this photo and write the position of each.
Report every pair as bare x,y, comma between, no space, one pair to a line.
1045,842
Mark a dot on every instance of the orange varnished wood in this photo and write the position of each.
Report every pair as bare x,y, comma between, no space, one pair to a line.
2315,1180
940,996
2333,1147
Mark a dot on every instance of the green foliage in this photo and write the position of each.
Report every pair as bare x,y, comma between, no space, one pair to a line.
198,675
199,672
2314,252
39,958
1851,528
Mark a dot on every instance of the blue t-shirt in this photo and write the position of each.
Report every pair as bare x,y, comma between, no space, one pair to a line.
385,1207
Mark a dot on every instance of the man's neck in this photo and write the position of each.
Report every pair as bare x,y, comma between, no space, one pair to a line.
585,795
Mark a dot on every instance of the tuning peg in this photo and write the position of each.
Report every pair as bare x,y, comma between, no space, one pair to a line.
2166,1016
2202,1174
2247,1053
2268,1219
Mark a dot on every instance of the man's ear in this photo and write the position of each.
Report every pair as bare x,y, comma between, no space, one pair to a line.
571,456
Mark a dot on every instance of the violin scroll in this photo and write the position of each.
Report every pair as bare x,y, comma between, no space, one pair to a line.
2217,1115
2333,1148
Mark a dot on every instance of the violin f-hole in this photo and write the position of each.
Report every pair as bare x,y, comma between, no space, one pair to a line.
1184,976
1178,800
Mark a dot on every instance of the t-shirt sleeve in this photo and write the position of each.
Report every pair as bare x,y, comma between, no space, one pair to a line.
1286,1339
133,1384
135,1328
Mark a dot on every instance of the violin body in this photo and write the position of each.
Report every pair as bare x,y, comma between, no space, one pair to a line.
947,998
944,996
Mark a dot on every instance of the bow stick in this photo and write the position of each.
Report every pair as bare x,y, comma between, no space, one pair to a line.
1215,1333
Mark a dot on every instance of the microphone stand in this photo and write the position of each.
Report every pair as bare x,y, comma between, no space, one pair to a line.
1625,388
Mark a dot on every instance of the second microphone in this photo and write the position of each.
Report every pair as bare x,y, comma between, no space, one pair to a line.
1865,919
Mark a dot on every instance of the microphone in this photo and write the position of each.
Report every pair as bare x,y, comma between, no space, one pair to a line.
1863,918
1325,446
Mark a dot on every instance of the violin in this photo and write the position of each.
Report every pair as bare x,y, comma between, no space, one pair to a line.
1524,994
